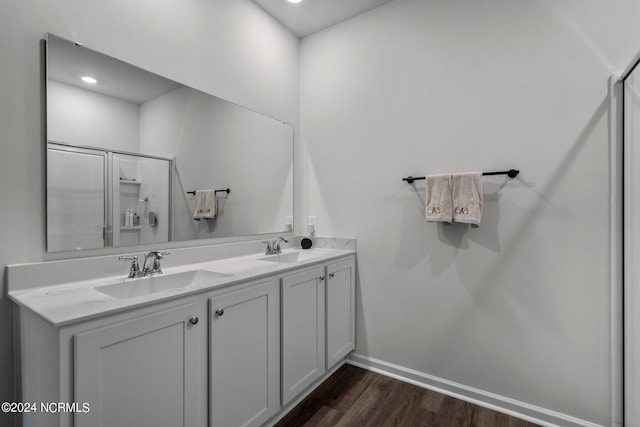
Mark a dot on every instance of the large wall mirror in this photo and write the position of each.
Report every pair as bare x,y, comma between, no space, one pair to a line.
128,149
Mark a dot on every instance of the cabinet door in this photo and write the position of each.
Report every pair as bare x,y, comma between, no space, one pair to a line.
303,331
139,372
244,364
341,295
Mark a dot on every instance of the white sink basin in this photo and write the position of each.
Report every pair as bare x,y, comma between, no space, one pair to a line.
289,257
132,288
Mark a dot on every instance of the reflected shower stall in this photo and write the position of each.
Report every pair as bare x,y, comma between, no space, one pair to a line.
99,198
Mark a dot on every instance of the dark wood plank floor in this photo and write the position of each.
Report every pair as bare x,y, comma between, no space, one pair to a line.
356,397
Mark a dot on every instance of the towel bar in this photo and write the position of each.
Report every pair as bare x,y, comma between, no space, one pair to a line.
217,191
511,173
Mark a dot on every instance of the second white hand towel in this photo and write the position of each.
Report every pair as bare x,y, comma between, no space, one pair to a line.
467,198
206,205
439,198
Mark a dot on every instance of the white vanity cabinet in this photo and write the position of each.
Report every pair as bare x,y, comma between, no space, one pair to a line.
229,355
244,355
318,323
141,367
303,330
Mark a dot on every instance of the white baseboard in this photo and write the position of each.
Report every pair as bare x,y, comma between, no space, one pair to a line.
478,397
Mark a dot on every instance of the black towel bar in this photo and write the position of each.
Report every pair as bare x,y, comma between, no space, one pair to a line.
217,191
511,173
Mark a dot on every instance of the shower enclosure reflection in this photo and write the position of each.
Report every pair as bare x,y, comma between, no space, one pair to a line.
98,198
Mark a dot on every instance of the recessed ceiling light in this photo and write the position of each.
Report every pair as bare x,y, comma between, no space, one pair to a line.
294,1
89,80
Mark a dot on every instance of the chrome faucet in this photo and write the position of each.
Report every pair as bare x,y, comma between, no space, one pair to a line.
273,246
154,258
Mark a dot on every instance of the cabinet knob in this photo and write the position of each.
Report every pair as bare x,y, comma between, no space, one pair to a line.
321,278
220,312
194,320
331,275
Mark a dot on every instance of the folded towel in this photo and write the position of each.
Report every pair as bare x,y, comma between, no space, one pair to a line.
439,198
467,198
206,205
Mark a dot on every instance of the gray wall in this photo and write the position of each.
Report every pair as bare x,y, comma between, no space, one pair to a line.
520,306
217,46
82,117
218,144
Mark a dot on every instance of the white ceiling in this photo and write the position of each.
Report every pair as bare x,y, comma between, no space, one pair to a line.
67,62
310,16
121,80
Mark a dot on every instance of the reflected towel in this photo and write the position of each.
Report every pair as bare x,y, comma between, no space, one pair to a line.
439,198
467,198
206,205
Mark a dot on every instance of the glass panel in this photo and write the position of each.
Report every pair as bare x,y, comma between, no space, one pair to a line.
75,199
632,246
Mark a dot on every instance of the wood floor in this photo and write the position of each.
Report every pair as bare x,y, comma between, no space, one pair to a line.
356,397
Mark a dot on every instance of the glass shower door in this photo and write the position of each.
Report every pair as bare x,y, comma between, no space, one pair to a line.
631,131
76,198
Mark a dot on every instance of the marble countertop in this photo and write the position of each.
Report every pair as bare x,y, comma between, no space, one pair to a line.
68,303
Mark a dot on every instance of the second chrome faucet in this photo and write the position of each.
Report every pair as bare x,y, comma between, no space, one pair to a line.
273,246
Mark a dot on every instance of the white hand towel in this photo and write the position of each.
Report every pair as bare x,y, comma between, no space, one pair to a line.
467,198
206,205
439,198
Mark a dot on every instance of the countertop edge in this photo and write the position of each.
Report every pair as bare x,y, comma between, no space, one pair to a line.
23,298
